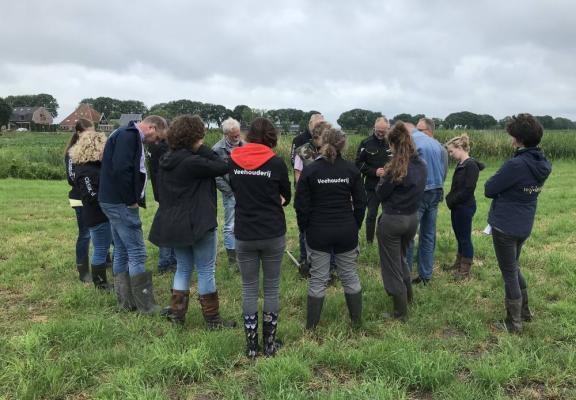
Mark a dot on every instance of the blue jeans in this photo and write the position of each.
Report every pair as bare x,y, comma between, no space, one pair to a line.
166,257
462,225
129,247
201,254
229,204
427,235
101,235
83,239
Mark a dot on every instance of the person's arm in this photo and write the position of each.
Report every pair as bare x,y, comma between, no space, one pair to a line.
302,201
69,169
503,179
298,167
358,200
445,162
461,194
293,149
207,164
223,185
362,165
125,151
284,183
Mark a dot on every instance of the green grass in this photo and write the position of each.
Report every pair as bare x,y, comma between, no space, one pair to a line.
28,155
60,339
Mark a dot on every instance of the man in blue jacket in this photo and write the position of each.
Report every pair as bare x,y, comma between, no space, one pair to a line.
122,191
436,158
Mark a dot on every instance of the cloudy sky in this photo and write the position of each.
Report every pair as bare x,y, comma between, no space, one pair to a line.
416,56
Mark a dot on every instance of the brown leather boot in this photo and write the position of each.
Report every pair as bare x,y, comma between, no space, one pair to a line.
464,270
210,310
176,312
455,265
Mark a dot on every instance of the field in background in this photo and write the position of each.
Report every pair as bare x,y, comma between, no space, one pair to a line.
40,155
60,339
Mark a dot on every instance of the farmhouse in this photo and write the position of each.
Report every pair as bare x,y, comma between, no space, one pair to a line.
125,119
29,118
86,111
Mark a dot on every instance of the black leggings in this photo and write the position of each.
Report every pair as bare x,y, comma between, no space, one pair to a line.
508,250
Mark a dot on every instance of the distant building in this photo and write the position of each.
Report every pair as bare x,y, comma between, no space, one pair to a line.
29,118
125,119
86,111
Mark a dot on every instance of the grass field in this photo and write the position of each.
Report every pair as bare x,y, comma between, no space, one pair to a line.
60,339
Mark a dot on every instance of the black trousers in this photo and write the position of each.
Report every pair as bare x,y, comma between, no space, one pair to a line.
372,205
508,250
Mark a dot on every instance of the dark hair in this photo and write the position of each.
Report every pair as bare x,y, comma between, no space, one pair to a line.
185,131
332,143
403,148
262,131
82,125
526,129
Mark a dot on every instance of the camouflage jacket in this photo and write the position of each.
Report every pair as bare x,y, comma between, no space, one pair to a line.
307,153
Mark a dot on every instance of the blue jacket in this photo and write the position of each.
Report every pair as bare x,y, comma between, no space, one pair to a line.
435,156
515,189
121,181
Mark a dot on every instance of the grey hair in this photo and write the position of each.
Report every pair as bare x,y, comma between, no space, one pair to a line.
229,125
379,119
429,123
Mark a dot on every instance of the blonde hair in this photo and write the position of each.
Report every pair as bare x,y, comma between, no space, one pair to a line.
88,148
319,128
332,142
460,142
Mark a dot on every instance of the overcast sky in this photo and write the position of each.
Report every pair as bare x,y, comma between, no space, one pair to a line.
431,56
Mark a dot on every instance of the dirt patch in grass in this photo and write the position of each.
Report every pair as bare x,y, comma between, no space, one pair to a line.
420,395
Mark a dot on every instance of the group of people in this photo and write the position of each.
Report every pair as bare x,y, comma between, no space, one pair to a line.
400,168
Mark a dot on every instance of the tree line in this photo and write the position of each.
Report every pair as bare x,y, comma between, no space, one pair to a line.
287,119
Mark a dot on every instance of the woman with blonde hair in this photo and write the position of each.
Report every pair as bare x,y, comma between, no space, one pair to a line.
400,190
330,203
86,155
462,203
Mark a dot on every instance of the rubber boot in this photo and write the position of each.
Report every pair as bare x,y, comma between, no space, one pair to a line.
99,277
176,312
526,313
269,328
370,229
231,253
251,332
400,312
314,310
123,291
464,269
455,265
143,293
84,271
513,319
211,312
354,303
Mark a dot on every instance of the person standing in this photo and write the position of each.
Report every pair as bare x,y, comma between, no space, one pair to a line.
122,191
400,189
259,180
75,199
436,158
371,157
330,203
86,155
230,141
462,203
514,191
186,219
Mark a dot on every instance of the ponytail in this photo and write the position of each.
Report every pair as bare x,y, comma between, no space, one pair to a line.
332,143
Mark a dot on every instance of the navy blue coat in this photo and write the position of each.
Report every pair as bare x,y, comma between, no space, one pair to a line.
515,189
121,181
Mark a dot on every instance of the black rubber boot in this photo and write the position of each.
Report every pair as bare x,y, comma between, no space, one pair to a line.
251,332
370,228
314,310
176,312
526,312
513,319
84,271
123,291
269,328
354,303
99,277
400,308
143,293
211,311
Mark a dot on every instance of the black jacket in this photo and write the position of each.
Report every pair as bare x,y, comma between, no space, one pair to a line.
403,198
372,154
330,203
188,192
298,141
87,181
121,181
463,184
155,151
258,178
515,189
74,193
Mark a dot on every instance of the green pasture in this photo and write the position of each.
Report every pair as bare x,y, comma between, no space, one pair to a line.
61,339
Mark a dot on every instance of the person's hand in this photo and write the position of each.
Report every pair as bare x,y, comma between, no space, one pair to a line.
282,200
135,205
380,172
